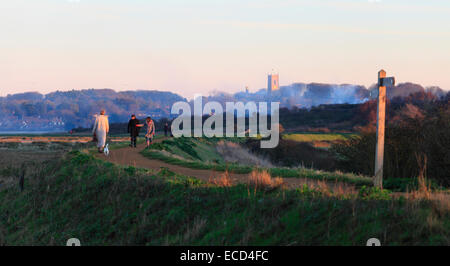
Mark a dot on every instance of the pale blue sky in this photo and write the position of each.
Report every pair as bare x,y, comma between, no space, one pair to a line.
198,46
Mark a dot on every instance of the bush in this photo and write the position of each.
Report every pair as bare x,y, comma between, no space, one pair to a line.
412,134
374,193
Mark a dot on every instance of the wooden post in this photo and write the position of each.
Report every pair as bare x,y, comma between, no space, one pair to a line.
381,118
22,178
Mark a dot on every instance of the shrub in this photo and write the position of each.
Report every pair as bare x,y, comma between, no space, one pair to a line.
374,193
263,180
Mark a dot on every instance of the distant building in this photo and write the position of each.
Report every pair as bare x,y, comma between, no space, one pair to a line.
273,82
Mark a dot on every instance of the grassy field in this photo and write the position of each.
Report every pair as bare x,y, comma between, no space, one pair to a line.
274,172
201,154
317,137
102,204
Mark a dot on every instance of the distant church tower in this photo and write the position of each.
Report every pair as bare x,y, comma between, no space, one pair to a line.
273,82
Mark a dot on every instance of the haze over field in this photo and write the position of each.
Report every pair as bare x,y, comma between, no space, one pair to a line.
200,46
61,111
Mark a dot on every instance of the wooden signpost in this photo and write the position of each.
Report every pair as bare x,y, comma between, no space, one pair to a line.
383,81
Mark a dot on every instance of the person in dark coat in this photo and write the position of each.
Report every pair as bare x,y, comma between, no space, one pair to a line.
133,129
166,129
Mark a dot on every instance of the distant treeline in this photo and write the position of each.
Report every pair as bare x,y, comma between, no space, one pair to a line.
324,118
71,109
122,128
310,105
342,118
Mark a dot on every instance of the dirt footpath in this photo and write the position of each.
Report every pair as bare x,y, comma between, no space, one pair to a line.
131,157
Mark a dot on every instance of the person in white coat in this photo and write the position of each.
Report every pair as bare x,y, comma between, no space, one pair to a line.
101,129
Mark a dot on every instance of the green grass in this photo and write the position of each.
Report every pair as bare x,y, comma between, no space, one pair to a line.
312,137
233,168
349,178
201,154
120,145
124,144
200,149
102,204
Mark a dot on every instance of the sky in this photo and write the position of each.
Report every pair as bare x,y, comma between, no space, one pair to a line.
202,46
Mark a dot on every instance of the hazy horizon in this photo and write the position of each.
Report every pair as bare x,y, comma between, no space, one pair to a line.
187,97
202,46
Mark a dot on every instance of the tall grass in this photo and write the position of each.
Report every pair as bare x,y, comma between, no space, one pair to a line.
263,180
224,180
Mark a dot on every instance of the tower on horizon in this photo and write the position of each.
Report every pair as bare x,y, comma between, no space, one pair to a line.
273,82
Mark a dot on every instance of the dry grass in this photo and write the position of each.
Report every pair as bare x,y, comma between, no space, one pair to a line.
342,189
224,180
302,137
14,161
440,201
337,189
263,180
235,153
321,144
331,189
440,209
194,231
15,158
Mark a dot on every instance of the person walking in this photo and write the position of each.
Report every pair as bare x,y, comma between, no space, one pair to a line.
100,130
166,129
150,131
133,129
